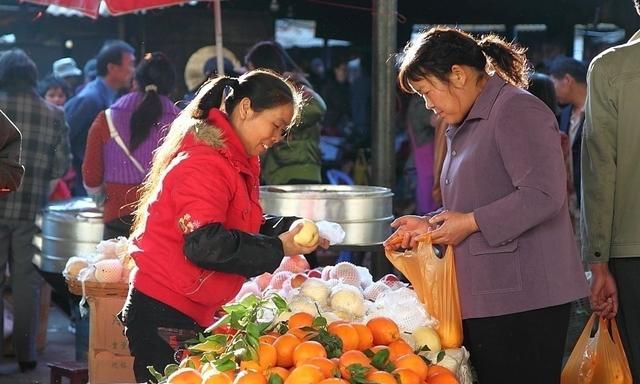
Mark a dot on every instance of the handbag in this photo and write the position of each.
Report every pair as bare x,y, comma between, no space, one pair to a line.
116,137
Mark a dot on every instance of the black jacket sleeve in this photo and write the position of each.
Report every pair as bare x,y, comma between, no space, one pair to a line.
275,225
11,171
215,248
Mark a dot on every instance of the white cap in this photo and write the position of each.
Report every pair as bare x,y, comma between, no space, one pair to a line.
66,67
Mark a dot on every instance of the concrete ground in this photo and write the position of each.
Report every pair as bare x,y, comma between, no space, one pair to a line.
60,347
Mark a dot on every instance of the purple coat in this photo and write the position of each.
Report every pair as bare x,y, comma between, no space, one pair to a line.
504,163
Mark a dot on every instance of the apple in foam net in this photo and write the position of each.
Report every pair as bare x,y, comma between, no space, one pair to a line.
298,279
316,272
308,235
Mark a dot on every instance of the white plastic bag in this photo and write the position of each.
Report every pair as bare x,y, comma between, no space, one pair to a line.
331,231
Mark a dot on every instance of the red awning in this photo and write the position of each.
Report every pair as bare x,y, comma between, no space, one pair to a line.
115,7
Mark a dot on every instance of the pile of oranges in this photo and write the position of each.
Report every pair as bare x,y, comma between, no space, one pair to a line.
371,354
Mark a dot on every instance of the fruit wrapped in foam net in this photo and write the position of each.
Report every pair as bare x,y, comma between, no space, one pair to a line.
346,273
347,302
316,290
403,307
295,264
374,290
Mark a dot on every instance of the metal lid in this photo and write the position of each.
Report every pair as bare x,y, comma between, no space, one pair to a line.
74,205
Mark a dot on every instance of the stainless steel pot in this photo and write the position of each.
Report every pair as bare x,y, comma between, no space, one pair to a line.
69,228
364,212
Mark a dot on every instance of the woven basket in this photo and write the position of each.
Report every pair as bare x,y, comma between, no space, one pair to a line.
96,289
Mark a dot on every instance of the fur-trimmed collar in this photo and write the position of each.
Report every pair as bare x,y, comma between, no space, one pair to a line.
209,134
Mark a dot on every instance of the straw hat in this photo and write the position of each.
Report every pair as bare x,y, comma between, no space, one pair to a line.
202,63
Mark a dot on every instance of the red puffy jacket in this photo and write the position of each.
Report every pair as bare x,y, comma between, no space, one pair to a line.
211,185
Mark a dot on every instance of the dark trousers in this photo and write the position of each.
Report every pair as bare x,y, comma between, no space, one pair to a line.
118,227
156,333
521,348
626,271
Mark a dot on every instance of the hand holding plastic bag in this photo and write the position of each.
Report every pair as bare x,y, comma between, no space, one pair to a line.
599,359
434,280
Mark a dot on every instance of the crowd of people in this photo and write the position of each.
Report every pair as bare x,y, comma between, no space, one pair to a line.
556,151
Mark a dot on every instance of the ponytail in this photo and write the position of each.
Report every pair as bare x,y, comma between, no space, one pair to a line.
144,118
212,98
507,59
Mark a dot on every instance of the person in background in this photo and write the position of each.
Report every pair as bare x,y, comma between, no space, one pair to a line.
297,160
141,120
541,86
11,169
569,78
67,70
54,90
115,66
610,220
504,204
45,155
199,227
335,92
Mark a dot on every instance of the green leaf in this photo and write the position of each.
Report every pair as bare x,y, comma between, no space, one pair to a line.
253,330
358,373
249,300
280,303
156,375
440,357
169,369
424,348
220,339
380,358
235,319
331,343
207,346
236,307
252,341
319,322
275,379
225,365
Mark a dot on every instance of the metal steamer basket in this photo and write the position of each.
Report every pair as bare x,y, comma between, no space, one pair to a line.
364,212
69,228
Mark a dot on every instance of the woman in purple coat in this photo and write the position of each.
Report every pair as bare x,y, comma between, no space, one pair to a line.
504,204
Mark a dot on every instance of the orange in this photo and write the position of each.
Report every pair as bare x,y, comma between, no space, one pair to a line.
267,355
191,362
334,323
365,337
398,348
250,377
299,320
214,377
299,333
436,370
334,380
285,345
328,367
348,335
413,362
381,377
407,376
305,374
269,339
185,376
378,348
443,378
350,358
251,365
282,372
384,330
306,350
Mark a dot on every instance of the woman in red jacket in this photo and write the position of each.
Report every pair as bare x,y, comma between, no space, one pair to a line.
199,228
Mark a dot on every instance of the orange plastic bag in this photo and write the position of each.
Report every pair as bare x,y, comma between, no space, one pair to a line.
599,359
434,281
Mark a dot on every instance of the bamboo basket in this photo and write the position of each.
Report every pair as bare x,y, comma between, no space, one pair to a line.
96,289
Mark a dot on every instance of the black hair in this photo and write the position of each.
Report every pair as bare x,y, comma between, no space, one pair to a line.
541,86
562,66
155,76
436,50
111,53
18,73
265,90
266,55
51,82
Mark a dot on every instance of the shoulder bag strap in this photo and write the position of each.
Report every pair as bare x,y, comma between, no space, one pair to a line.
116,137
